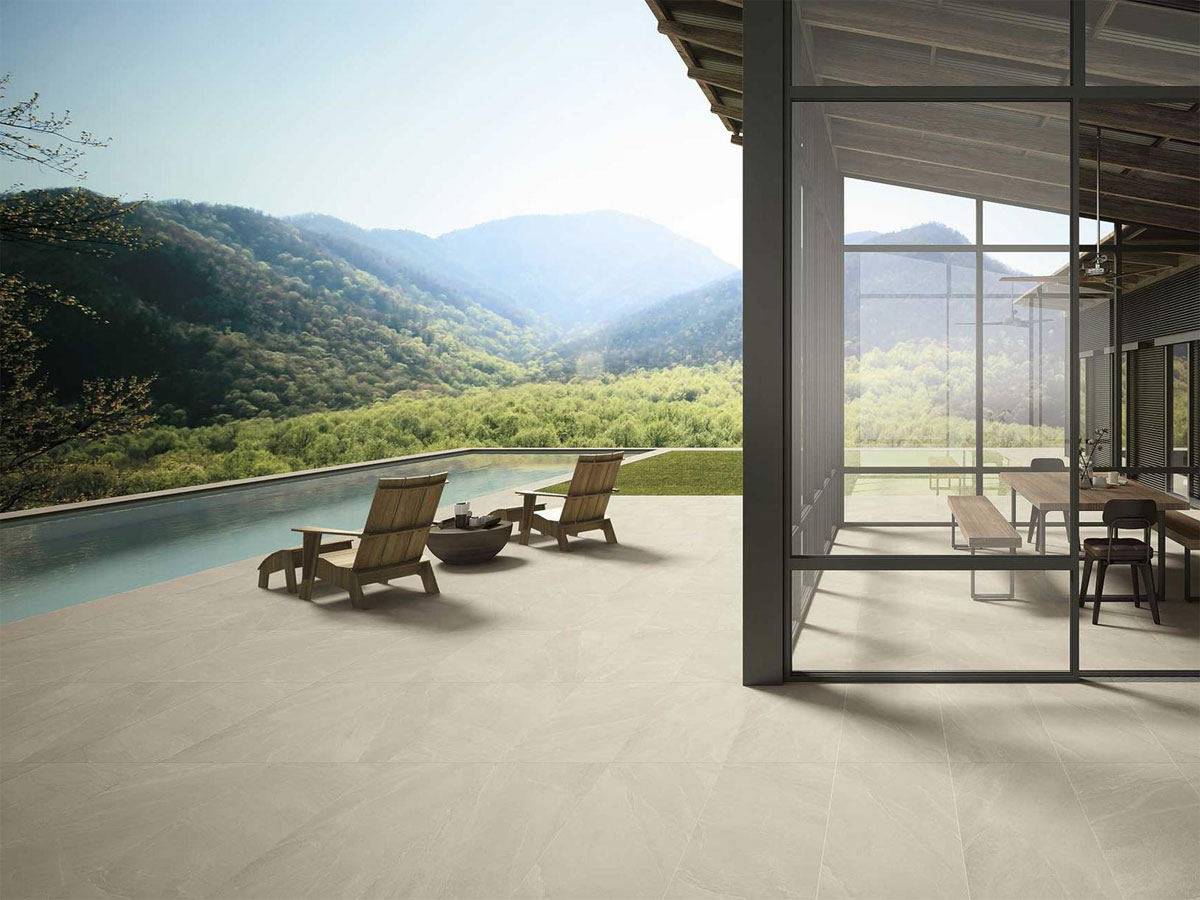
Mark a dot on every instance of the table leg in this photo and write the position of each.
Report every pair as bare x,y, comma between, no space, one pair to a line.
1162,554
308,563
1013,494
1041,532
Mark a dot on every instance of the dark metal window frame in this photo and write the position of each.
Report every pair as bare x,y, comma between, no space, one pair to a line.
768,564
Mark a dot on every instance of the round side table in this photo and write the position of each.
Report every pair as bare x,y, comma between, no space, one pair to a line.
464,546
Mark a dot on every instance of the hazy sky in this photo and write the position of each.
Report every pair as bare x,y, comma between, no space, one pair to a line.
423,114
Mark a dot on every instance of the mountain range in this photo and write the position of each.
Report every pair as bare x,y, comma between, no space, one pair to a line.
572,271
241,314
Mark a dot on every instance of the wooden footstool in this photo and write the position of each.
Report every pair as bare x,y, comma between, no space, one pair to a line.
289,560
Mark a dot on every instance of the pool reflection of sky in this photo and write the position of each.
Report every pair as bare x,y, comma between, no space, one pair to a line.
59,561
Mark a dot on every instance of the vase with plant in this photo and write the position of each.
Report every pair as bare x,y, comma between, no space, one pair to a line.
1087,454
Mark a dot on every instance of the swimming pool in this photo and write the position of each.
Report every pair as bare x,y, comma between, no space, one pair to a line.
56,561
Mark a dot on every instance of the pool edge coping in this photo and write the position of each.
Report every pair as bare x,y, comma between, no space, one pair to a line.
239,483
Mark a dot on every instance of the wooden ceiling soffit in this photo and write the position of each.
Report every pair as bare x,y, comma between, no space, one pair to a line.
953,120
1006,189
1044,44
896,20
710,45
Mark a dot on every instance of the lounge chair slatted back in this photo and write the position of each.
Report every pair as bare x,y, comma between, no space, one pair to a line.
399,521
590,488
390,544
585,504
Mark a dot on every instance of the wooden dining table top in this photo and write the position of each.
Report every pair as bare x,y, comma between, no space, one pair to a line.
1051,491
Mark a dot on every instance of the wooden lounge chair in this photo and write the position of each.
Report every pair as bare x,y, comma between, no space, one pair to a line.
586,501
390,544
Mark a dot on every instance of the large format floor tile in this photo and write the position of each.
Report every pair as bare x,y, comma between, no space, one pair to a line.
760,835
1146,818
626,836
573,725
1025,835
893,833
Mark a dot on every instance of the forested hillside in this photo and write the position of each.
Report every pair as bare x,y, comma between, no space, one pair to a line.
409,257
697,328
240,314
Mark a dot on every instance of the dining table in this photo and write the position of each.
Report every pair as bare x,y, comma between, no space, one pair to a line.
1051,492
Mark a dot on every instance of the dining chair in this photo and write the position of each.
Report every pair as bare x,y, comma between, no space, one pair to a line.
1122,515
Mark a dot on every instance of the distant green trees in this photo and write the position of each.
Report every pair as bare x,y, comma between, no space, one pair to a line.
684,407
918,394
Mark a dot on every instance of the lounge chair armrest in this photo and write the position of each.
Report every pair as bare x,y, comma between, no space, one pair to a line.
539,494
314,529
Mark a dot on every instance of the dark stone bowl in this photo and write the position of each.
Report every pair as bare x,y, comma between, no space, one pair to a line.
462,547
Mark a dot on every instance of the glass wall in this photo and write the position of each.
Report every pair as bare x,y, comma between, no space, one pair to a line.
950,307
954,333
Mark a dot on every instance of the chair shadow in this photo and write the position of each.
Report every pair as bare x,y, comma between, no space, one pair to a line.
403,607
493,565
628,553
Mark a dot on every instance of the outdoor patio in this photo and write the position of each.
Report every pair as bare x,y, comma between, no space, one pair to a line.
557,725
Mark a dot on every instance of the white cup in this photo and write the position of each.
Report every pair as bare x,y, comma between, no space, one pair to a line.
1114,478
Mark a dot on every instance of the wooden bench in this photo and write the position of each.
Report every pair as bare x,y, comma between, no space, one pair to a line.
1185,531
984,528
951,479
289,560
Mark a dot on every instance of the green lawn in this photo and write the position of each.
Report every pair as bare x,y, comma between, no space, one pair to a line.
680,472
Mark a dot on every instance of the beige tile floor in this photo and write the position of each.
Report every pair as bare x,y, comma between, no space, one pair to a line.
914,620
557,726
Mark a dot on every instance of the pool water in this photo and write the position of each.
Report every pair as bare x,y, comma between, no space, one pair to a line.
57,561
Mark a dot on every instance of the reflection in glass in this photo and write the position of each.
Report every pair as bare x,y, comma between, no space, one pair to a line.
1181,415
1024,358
1004,223
878,213
910,353
914,621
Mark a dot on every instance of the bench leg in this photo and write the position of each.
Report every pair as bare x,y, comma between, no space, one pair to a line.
954,545
1012,585
264,578
289,575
